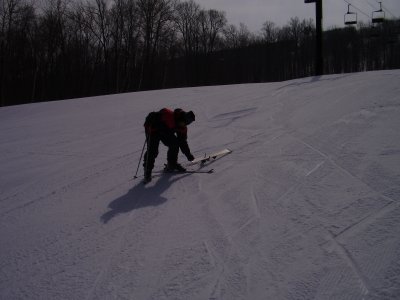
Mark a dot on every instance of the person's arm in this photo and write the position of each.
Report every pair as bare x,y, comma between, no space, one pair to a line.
183,144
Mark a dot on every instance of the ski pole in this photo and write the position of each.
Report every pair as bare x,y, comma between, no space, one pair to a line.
148,136
140,159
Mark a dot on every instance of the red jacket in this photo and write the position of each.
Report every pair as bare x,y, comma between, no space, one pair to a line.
164,123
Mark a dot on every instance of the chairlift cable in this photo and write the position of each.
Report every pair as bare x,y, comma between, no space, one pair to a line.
357,9
378,16
385,8
372,5
350,18
388,11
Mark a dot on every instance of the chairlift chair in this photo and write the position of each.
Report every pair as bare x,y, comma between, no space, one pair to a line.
350,18
378,16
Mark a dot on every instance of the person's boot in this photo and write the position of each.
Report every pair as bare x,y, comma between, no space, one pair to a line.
171,167
147,176
179,168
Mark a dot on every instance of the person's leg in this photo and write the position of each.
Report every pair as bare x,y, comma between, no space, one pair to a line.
171,141
153,142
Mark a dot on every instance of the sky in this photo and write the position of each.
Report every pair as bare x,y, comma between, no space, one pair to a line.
253,13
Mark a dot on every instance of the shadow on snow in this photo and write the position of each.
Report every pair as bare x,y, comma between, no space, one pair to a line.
141,196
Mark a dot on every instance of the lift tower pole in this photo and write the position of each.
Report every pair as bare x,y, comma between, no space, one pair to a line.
319,66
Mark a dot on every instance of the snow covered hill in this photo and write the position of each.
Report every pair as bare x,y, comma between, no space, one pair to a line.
306,207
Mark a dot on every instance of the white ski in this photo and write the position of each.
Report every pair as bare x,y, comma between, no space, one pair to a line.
210,157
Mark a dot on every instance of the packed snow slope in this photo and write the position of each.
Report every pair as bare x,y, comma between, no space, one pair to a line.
307,206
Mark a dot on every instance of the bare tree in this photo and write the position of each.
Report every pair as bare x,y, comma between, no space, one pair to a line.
156,17
187,22
269,32
130,36
17,19
75,48
8,15
53,37
237,38
212,23
98,20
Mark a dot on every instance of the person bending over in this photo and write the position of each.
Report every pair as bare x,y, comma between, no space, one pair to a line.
169,127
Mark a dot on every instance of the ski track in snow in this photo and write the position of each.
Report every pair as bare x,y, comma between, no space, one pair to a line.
306,206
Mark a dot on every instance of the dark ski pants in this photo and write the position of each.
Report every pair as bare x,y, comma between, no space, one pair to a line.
153,142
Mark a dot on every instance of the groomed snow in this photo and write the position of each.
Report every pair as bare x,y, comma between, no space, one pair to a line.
307,206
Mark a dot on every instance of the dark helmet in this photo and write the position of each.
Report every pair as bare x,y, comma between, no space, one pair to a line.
182,116
189,117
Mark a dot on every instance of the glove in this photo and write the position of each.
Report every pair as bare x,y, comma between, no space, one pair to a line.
190,157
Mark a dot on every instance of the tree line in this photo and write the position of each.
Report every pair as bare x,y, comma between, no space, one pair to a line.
67,49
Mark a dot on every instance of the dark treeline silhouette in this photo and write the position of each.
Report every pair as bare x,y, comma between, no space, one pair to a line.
68,49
